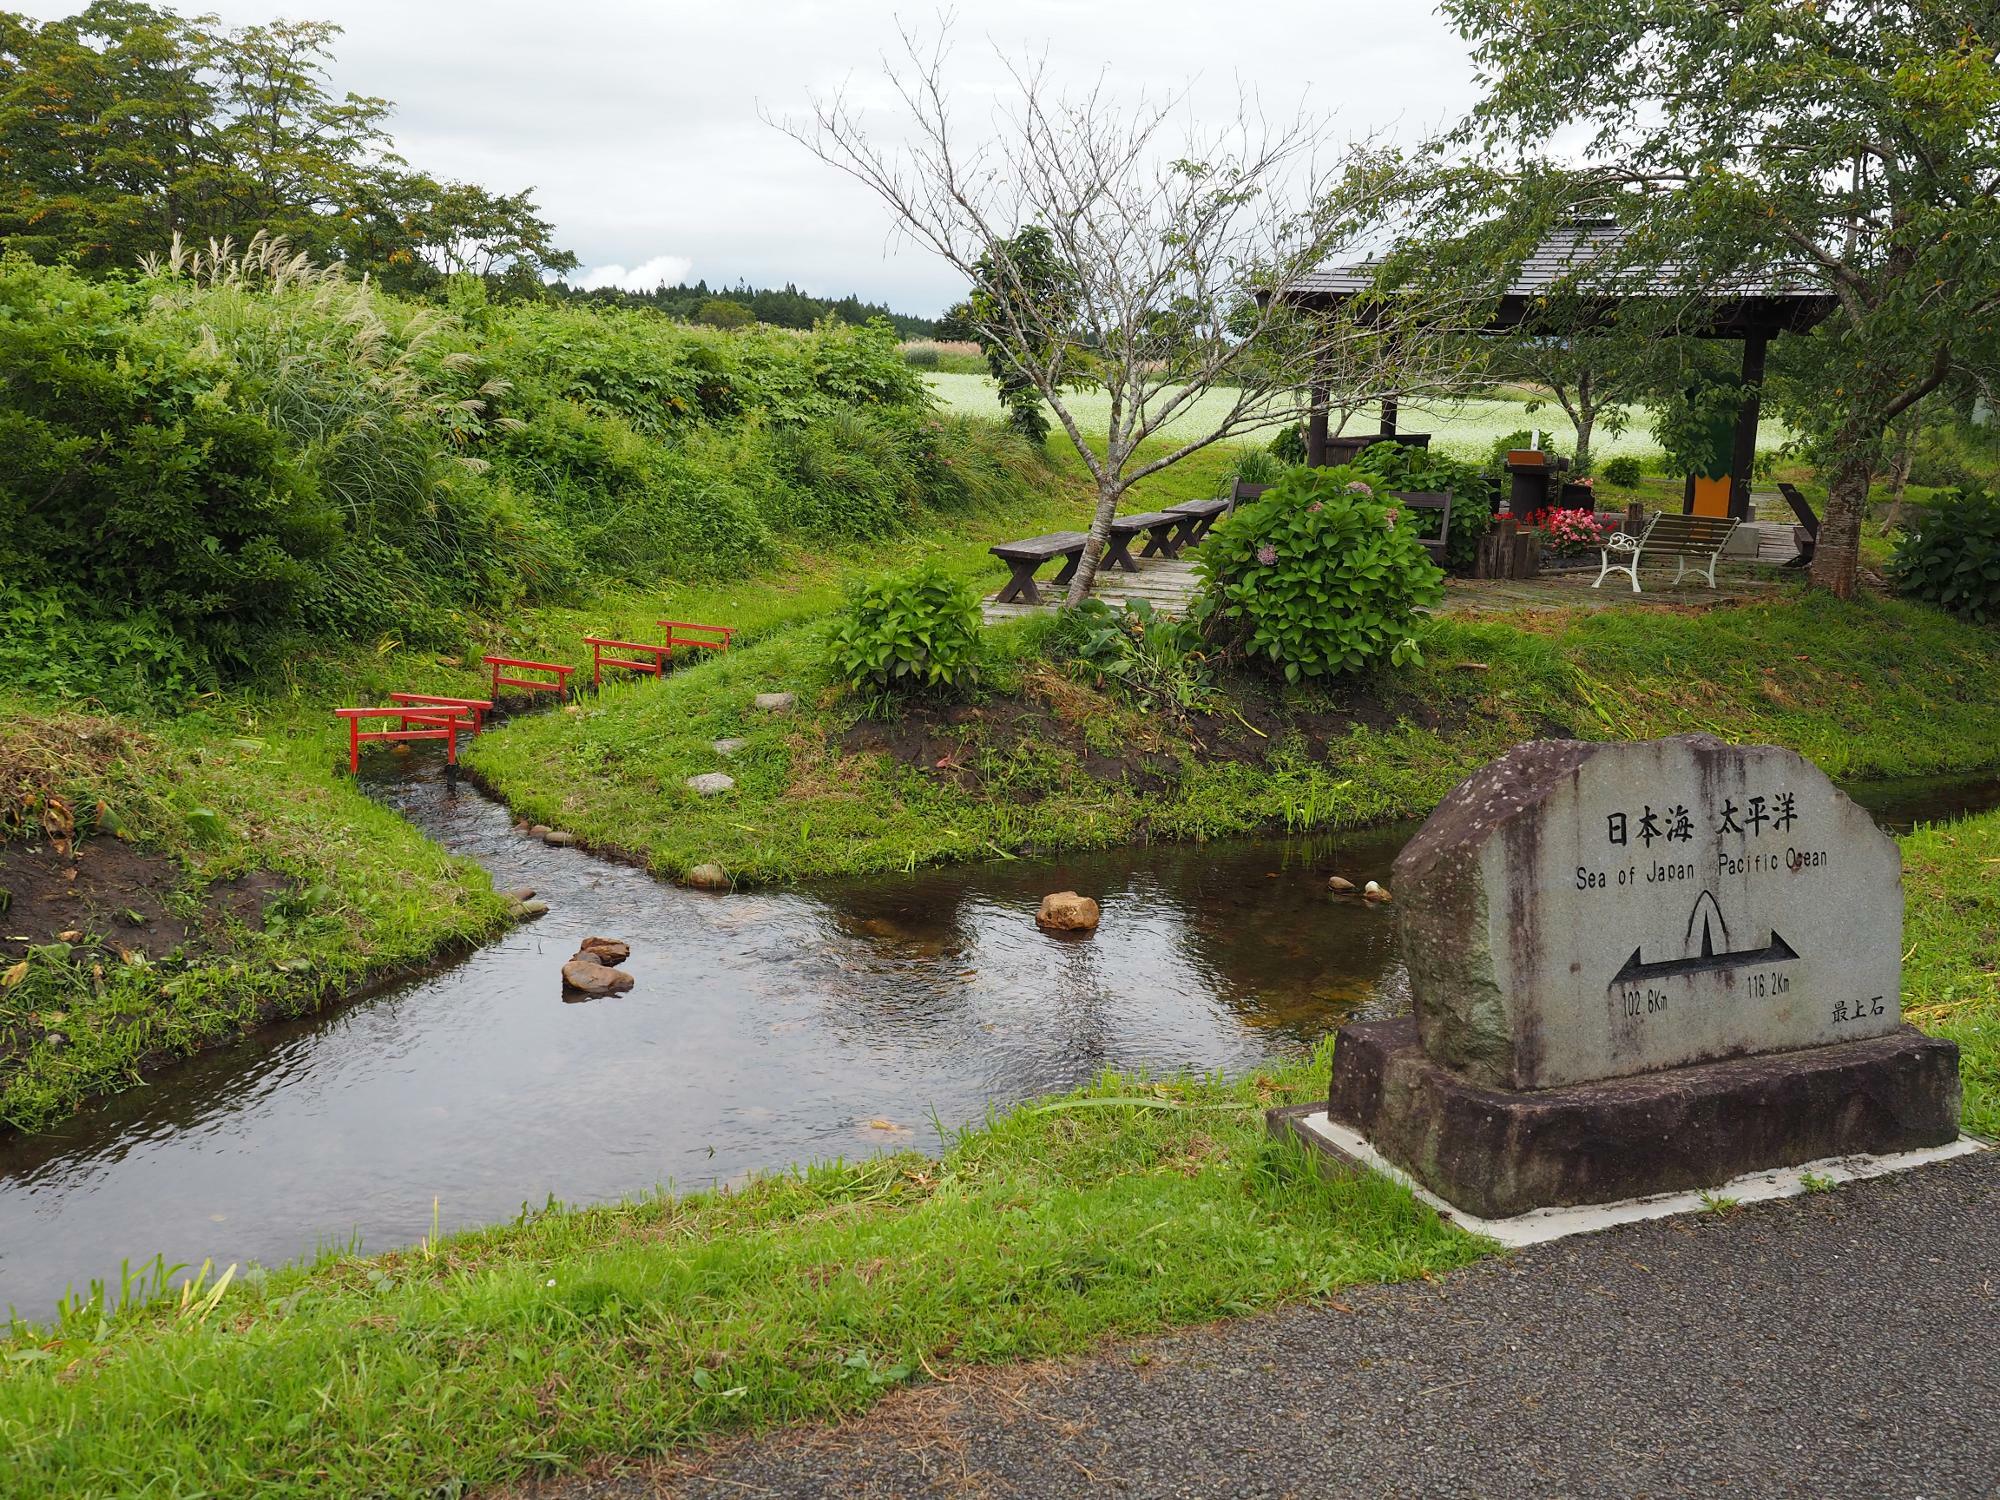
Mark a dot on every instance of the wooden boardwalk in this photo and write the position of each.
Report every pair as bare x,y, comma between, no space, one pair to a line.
1169,586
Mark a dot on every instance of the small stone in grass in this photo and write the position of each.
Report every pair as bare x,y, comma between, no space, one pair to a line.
772,703
728,747
710,784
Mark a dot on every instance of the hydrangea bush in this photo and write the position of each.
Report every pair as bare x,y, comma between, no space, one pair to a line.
1318,576
1570,533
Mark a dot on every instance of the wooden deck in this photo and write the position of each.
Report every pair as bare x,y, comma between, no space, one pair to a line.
1169,586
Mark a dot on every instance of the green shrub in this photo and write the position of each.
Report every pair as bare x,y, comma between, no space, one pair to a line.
1427,471
923,357
1152,660
1953,558
1624,471
625,507
909,632
1316,577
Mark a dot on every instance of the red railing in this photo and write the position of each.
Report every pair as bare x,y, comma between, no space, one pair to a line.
500,680
654,664
445,722
479,707
726,632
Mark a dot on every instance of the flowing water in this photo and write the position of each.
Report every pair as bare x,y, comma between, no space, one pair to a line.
766,1029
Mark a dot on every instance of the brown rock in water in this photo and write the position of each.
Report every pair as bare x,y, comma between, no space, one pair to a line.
590,978
1340,883
1374,892
608,951
1066,911
708,878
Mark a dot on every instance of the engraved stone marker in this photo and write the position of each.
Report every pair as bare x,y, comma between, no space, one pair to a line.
1580,911
1643,968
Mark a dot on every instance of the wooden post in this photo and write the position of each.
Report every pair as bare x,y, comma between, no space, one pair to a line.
1389,412
1743,456
1316,429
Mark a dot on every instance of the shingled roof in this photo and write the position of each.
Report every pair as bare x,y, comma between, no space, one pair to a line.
1566,257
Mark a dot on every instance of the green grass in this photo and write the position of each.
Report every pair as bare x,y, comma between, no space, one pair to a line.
1951,933
1469,427
636,1329
1870,689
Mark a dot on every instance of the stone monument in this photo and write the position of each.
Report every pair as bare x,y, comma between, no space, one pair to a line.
1643,968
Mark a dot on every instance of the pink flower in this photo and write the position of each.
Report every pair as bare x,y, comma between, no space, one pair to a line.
1267,554
1356,487
1315,508
1389,520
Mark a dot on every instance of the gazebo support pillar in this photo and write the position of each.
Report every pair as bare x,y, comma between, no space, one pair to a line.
1743,456
1389,413
1316,429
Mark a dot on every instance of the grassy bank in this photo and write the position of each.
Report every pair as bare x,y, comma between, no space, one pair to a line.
168,886
1046,761
635,1330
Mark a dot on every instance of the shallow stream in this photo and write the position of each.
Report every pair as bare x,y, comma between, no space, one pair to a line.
766,1029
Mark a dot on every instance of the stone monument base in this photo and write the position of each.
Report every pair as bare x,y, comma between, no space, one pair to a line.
1497,1153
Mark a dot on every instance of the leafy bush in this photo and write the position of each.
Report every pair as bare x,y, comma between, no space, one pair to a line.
1624,471
1153,660
908,632
1953,558
1426,471
1317,576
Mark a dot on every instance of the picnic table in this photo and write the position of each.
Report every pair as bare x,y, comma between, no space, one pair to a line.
1161,528
1197,519
1023,557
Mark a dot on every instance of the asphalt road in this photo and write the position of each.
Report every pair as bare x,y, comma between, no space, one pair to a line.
1841,1344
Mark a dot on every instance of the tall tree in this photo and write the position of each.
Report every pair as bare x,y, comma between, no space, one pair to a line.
1852,146
125,125
1181,250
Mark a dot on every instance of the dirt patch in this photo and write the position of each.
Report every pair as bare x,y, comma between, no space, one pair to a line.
106,895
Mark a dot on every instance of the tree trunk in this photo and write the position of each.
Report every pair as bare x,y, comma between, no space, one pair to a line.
1837,552
1585,422
1109,490
1899,469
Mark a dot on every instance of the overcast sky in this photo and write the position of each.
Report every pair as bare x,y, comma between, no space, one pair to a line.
637,121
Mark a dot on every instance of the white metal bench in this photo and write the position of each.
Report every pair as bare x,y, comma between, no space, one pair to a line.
1679,537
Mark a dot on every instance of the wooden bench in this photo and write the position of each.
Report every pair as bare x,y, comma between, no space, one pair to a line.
444,724
1675,536
1428,500
533,684
1197,519
479,708
1023,557
1160,527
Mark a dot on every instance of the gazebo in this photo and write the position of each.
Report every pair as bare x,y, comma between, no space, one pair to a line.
1754,311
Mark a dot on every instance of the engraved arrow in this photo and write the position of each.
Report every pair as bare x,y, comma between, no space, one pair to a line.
1777,951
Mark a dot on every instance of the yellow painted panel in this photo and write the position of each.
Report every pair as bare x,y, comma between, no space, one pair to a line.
1711,496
